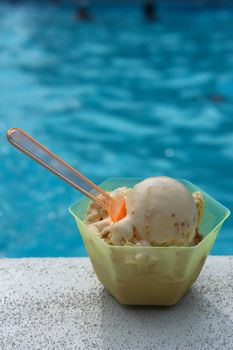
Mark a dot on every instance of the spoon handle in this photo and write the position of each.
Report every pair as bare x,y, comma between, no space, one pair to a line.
32,148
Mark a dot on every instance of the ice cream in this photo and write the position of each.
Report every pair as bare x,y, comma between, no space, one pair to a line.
151,256
160,212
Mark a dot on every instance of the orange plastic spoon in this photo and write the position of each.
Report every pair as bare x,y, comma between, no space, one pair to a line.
33,149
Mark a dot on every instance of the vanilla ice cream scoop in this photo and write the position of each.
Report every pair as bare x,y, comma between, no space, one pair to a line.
160,212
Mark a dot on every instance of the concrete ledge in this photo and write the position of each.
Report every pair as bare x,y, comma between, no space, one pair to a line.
59,304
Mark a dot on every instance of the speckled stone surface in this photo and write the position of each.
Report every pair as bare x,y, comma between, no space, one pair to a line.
59,304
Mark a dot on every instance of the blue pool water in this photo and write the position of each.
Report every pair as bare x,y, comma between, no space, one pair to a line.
114,97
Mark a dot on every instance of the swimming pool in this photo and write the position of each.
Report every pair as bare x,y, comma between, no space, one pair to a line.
114,97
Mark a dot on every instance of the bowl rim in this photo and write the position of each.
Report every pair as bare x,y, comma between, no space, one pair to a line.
116,247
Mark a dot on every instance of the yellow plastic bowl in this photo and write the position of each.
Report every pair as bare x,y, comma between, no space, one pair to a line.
137,275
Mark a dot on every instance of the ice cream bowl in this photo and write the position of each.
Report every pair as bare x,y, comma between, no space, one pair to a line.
137,275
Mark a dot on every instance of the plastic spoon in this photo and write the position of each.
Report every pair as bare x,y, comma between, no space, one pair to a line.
33,149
